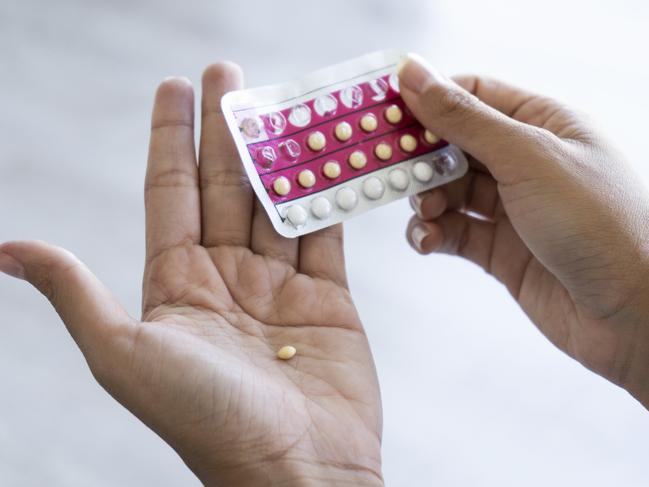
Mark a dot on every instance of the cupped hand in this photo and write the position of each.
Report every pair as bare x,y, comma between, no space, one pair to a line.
549,208
222,293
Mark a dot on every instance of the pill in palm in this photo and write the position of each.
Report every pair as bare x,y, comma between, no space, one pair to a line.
286,352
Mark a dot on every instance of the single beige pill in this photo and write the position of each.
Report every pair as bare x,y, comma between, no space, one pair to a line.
408,143
286,352
430,137
343,131
316,141
369,123
306,178
383,151
393,114
357,159
331,170
282,186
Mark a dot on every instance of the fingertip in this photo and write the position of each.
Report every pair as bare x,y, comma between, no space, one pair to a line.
174,87
19,258
35,250
9,265
433,204
174,103
417,74
424,237
427,237
224,75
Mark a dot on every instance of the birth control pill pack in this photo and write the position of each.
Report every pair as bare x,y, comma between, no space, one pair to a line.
335,144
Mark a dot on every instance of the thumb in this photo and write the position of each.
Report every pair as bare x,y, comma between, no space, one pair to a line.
449,111
91,313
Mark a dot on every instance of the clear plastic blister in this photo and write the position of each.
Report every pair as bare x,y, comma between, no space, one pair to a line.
335,144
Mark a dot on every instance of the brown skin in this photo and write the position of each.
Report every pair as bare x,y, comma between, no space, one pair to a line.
550,209
222,293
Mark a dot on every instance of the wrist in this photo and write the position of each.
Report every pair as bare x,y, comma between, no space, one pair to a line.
631,369
286,472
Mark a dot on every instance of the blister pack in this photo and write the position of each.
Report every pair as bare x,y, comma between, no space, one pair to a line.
334,144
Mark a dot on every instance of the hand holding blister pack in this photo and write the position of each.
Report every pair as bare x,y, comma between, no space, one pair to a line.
335,144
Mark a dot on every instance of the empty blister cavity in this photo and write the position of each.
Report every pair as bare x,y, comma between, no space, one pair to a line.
444,164
379,88
300,115
276,122
352,96
290,149
393,80
325,105
266,156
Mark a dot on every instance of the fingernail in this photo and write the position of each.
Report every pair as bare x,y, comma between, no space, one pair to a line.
416,74
11,266
418,199
418,234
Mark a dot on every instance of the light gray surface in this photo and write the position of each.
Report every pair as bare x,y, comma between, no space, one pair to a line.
473,394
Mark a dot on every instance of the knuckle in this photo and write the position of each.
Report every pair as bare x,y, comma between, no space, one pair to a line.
173,177
224,177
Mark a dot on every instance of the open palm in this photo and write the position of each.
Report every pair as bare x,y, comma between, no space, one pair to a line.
222,293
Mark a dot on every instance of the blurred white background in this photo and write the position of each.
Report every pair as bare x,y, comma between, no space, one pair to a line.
473,394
